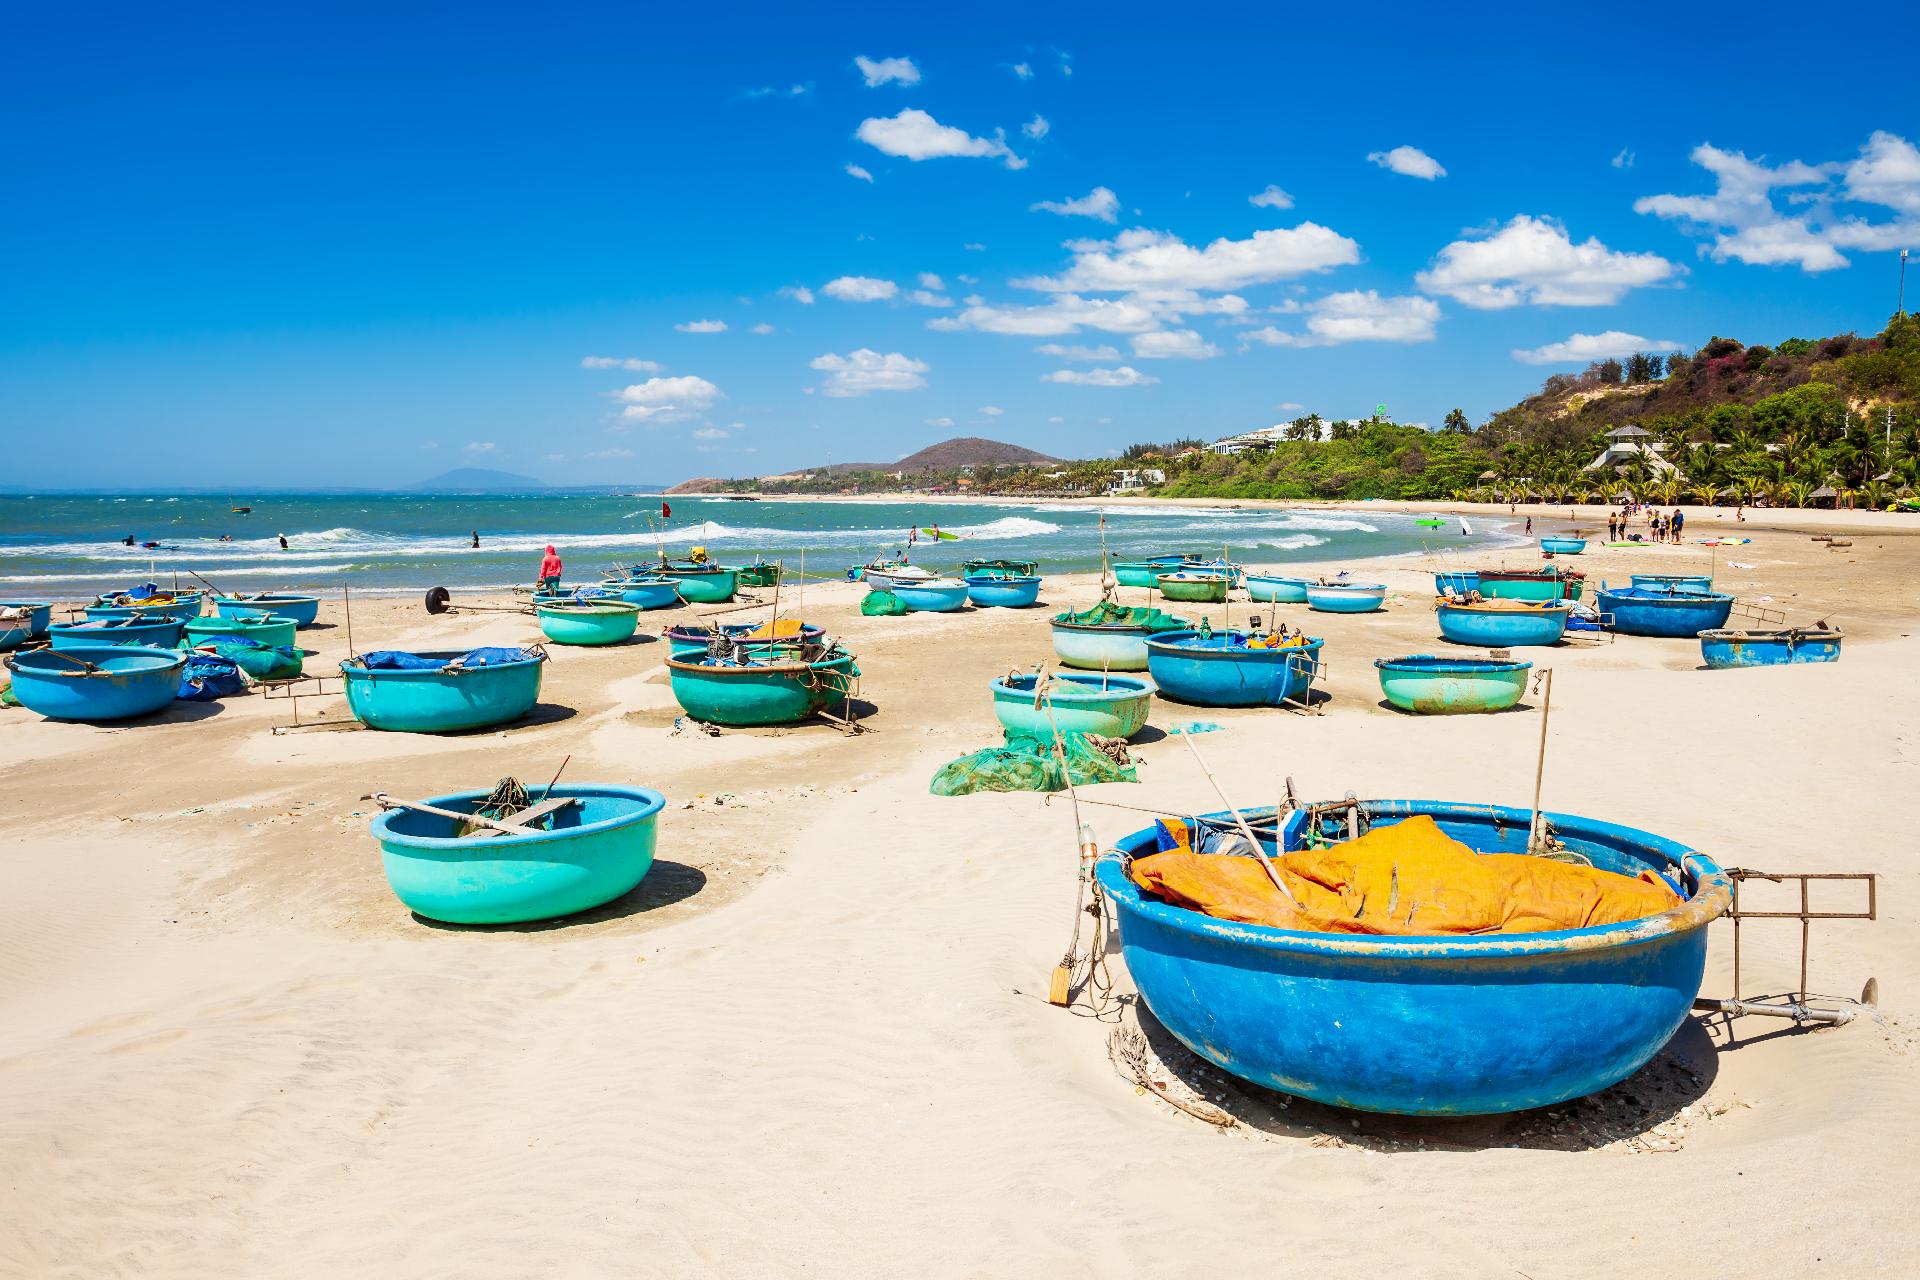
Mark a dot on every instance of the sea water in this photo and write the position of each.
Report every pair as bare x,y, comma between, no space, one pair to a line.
67,545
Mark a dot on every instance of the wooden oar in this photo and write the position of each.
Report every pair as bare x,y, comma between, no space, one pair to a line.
500,825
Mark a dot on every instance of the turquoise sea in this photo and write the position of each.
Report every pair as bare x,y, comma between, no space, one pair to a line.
67,545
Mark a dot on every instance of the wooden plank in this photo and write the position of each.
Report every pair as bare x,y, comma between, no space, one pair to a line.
531,814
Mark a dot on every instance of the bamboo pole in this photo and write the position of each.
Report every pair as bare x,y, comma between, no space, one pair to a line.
1259,851
1534,841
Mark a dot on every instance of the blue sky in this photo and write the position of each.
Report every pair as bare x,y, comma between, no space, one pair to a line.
359,244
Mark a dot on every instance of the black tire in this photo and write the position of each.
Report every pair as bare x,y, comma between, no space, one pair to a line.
438,599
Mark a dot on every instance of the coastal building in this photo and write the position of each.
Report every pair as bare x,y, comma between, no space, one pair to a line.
1624,444
1132,480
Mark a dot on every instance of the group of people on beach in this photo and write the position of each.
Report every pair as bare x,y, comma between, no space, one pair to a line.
1661,526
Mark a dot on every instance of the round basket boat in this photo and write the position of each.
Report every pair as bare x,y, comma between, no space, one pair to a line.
101,682
1674,581
777,685
1664,611
710,584
1346,597
1268,588
589,622
688,640
140,629
1531,584
1003,590
31,624
444,699
1109,705
304,610
184,606
1446,1025
1459,583
269,629
598,848
1220,669
1501,625
1563,546
1722,650
1107,646
1193,587
648,593
1141,573
1430,686
932,595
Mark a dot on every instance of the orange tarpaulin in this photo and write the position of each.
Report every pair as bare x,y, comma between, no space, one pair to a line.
1408,878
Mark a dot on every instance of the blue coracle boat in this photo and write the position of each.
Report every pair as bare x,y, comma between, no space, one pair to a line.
598,848
1346,597
1664,611
1110,705
1459,583
442,691
1220,669
1489,625
1674,581
1427,685
105,682
932,595
27,620
153,631
1268,588
1453,1025
304,610
185,606
1722,650
648,593
1003,591
1563,546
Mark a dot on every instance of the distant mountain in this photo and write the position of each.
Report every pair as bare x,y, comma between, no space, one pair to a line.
478,480
948,455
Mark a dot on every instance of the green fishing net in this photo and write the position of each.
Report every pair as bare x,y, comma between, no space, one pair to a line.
1108,614
883,604
1028,764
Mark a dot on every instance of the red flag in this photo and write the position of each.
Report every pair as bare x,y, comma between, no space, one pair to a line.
666,512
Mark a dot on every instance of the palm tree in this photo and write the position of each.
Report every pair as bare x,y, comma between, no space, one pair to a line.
1703,494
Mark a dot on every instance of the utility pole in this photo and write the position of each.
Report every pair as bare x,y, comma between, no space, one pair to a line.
1901,308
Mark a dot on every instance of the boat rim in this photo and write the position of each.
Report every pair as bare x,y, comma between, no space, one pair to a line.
1346,586
1175,642
1777,635
1443,664
1664,597
177,658
757,668
1712,896
1137,687
350,671
587,606
1528,608
652,803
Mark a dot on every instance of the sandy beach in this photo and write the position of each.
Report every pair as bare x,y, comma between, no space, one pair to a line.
816,1039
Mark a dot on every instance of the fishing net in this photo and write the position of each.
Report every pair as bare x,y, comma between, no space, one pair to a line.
883,604
1108,614
1029,764
262,662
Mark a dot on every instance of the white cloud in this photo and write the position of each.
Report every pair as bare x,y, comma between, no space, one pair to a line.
928,298
992,410
1068,313
1532,260
859,372
1059,352
1272,198
1173,344
799,293
1746,225
703,326
775,91
974,246
855,171
1037,128
628,363
928,280
1142,259
939,422
664,399
1056,420
763,328
1289,406
1022,70
710,432
1357,316
915,135
879,71
1098,203
1624,159
614,454
1124,376
1411,161
860,289
480,446
1584,348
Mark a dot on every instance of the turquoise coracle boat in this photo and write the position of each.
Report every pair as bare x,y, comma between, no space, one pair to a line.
1674,581
592,851
1346,597
1222,669
1002,590
1428,685
22,621
1450,1025
932,595
185,606
1109,637
1563,546
154,632
442,691
1141,573
684,641
702,584
588,623
107,682
1267,588
778,685
268,629
304,610
1111,706
1503,624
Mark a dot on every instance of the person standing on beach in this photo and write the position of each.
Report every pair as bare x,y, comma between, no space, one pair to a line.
550,571
1529,526
1677,522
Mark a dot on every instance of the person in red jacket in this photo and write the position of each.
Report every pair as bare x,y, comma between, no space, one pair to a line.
550,571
